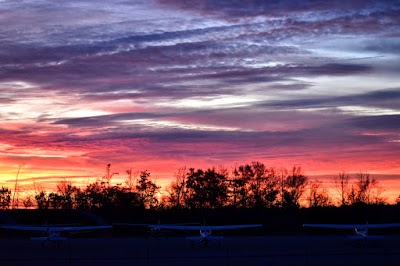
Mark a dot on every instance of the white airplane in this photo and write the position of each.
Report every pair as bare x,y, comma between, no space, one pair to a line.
205,231
360,231
54,234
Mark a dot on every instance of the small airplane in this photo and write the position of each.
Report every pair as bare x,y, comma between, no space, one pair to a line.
54,233
205,231
360,231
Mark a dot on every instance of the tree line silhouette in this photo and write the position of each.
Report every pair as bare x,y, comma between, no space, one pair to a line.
250,185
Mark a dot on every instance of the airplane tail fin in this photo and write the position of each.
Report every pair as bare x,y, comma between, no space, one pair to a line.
361,231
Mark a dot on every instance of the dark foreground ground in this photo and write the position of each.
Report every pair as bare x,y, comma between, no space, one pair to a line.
265,250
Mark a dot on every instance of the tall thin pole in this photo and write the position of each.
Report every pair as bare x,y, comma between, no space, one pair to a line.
16,186
282,189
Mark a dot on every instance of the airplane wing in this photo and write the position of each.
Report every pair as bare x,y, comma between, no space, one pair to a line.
25,227
202,227
151,225
390,225
55,228
335,226
80,228
129,224
352,226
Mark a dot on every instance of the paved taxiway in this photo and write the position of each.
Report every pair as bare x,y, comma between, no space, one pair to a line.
265,250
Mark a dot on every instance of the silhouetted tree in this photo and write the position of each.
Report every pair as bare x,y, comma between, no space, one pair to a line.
342,186
398,200
352,195
251,186
99,195
239,186
28,202
68,194
366,190
94,195
263,186
109,174
364,185
119,197
83,200
237,191
55,200
319,196
130,182
177,189
254,185
147,190
124,198
42,200
5,198
293,184
206,189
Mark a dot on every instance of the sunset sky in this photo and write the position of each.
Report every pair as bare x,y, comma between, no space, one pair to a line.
162,84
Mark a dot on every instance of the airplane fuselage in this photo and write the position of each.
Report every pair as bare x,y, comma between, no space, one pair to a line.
205,233
361,232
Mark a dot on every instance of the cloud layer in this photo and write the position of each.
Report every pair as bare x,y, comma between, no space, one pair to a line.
163,84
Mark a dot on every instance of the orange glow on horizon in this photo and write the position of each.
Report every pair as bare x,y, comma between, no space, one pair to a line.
35,176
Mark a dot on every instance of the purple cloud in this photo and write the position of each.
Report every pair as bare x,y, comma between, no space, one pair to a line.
174,82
